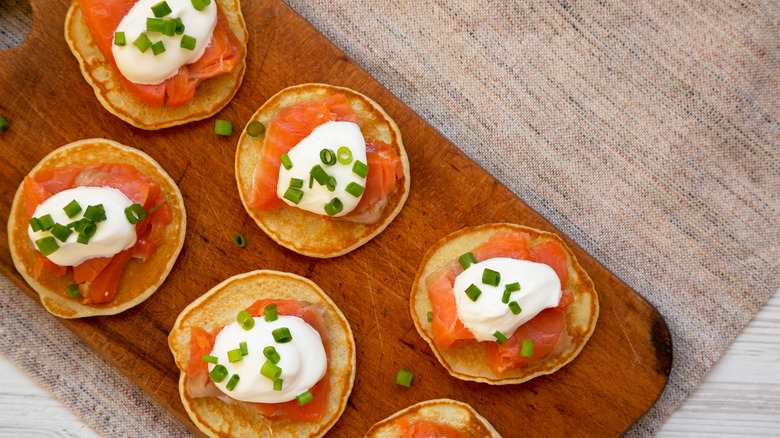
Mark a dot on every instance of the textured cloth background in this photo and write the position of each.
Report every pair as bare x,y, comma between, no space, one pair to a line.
648,132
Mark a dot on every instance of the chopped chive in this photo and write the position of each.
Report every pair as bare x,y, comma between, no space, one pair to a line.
271,354
491,277
286,161
156,207
296,182
46,222
253,129
209,359
34,224
200,4
527,349
82,224
430,316
158,48
72,209
473,292
304,398
344,155
179,29
335,206
218,373
142,42
319,175
354,189
188,42
331,184
404,378
119,39
235,355
135,213
95,213
311,180
223,127
511,287
278,384
293,195
515,308
505,296
244,350
248,323
169,28
239,240
282,335
154,24
89,230
73,290
500,338
231,384
3,124
270,313
270,370
83,239
161,9
328,157
47,245
360,169
61,232
467,260
242,316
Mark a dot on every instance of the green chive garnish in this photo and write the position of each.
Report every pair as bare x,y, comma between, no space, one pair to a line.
293,195
286,161
34,224
135,213
47,245
296,182
89,230
239,240
234,355
154,24
328,157
505,296
46,222
270,370
219,373
319,175
223,127
515,308
331,184
354,189
73,290
511,287
491,277
158,48
500,338
253,129
335,206
188,42
242,316
95,213
282,335
72,209
209,359
61,232
169,28
155,208
278,385
430,316
231,384
360,169
161,9
311,180
271,354
305,398
119,39
142,42
404,378
270,313
344,155
467,260
200,4
527,349
179,26
3,124
473,292
82,224
244,350
83,239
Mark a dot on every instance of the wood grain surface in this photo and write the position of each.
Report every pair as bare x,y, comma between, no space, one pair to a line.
618,376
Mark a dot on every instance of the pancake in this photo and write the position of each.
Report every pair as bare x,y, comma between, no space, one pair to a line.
219,307
301,231
210,96
470,362
140,278
442,411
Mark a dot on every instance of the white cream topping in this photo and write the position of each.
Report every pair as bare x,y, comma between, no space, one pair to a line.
540,288
146,68
302,360
113,235
306,154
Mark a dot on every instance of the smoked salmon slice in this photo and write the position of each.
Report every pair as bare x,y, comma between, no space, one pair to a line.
222,55
428,429
202,342
294,123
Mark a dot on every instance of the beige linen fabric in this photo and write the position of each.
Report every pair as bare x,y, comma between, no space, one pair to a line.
648,132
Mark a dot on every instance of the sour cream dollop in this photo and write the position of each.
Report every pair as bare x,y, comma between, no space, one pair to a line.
306,154
540,288
302,360
113,235
146,68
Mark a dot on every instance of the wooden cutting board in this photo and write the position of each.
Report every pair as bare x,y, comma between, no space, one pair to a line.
618,376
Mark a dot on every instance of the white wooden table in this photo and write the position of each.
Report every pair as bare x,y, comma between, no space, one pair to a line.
739,397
